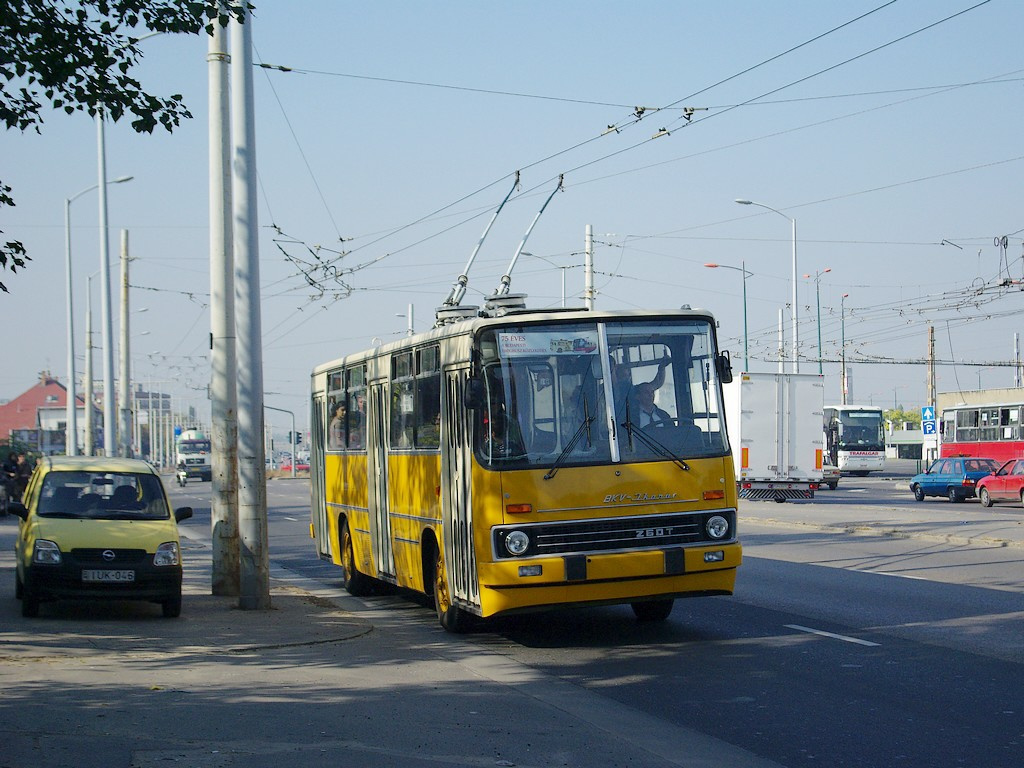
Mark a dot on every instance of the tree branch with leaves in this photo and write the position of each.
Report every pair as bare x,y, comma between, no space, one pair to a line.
78,57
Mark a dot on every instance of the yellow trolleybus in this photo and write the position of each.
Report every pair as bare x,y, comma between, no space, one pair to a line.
530,460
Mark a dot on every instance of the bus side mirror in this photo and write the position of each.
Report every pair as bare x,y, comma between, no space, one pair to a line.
474,396
723,364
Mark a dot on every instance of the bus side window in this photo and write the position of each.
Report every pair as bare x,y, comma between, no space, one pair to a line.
427,416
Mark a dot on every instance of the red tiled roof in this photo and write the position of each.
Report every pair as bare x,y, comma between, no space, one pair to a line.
22,411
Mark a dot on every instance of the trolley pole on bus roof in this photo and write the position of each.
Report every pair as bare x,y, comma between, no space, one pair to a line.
254,560
224,579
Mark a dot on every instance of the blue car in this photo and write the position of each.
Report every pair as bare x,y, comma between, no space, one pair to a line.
953,478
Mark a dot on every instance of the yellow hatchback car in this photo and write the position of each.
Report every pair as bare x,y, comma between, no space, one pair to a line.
97,528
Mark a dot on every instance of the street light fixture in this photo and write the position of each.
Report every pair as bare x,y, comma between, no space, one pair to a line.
796,315
71,424
742,268
817,297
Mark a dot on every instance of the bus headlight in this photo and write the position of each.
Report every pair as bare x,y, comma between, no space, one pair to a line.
717,527
517,542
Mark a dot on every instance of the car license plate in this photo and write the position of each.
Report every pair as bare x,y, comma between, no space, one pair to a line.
108,575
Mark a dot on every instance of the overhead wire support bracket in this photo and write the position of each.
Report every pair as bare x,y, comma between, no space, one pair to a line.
506,279
459,288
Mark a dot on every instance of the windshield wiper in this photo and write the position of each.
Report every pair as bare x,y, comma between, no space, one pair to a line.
655,445
569,446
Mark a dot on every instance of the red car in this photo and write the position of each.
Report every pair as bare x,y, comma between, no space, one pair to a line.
1005,484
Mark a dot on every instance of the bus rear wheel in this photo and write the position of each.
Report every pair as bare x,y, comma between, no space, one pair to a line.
453,618
356,583
652,610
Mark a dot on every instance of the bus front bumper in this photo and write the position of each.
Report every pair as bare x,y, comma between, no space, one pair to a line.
578,579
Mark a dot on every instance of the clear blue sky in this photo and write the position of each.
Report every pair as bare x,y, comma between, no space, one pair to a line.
398,131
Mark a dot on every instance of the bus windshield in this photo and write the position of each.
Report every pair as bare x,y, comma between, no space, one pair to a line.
861,431
624,391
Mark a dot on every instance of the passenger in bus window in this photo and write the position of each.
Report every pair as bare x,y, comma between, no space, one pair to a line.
648,414
502,436
625,390
355,431
336,431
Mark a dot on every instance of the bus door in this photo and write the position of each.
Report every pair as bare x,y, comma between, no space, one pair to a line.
456,509
377,481
317,478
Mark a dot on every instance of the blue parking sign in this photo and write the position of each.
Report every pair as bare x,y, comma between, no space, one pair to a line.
928,420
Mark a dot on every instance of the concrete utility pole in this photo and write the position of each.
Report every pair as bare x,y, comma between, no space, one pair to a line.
254,560
88,376
1016,360
588,268
106,309
124,431
223,399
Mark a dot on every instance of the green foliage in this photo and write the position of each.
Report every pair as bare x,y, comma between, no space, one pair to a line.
78,57
898,416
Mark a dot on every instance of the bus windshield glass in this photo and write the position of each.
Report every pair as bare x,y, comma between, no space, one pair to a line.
861,431
575,394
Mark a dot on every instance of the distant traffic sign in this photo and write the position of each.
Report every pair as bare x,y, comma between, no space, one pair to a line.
928,426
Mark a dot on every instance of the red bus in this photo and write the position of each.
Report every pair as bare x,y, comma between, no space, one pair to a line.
992,431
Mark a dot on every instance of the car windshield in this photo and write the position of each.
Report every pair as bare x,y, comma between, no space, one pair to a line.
103,496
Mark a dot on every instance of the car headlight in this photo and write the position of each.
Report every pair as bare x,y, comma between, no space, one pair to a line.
167,554
717,527
46,552
517,542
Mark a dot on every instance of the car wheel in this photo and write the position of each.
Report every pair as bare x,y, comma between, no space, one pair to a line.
172,608
833,486
652,610
984,497
19,588
355,583
918,492
954,495
29,602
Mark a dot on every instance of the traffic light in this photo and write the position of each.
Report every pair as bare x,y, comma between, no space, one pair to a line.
298,438
290,438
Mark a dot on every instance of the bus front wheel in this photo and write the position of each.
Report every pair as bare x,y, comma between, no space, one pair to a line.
453,618
356,583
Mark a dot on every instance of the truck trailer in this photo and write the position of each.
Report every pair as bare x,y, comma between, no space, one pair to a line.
774,423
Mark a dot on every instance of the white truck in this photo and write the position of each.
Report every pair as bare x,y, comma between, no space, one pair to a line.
774,423
192,457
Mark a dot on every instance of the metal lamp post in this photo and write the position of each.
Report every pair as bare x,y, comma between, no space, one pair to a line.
817,298
842,349
796,314
742,268
71,425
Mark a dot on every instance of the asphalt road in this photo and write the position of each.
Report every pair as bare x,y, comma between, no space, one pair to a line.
836,650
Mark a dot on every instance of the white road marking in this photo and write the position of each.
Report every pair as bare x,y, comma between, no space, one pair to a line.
833,635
